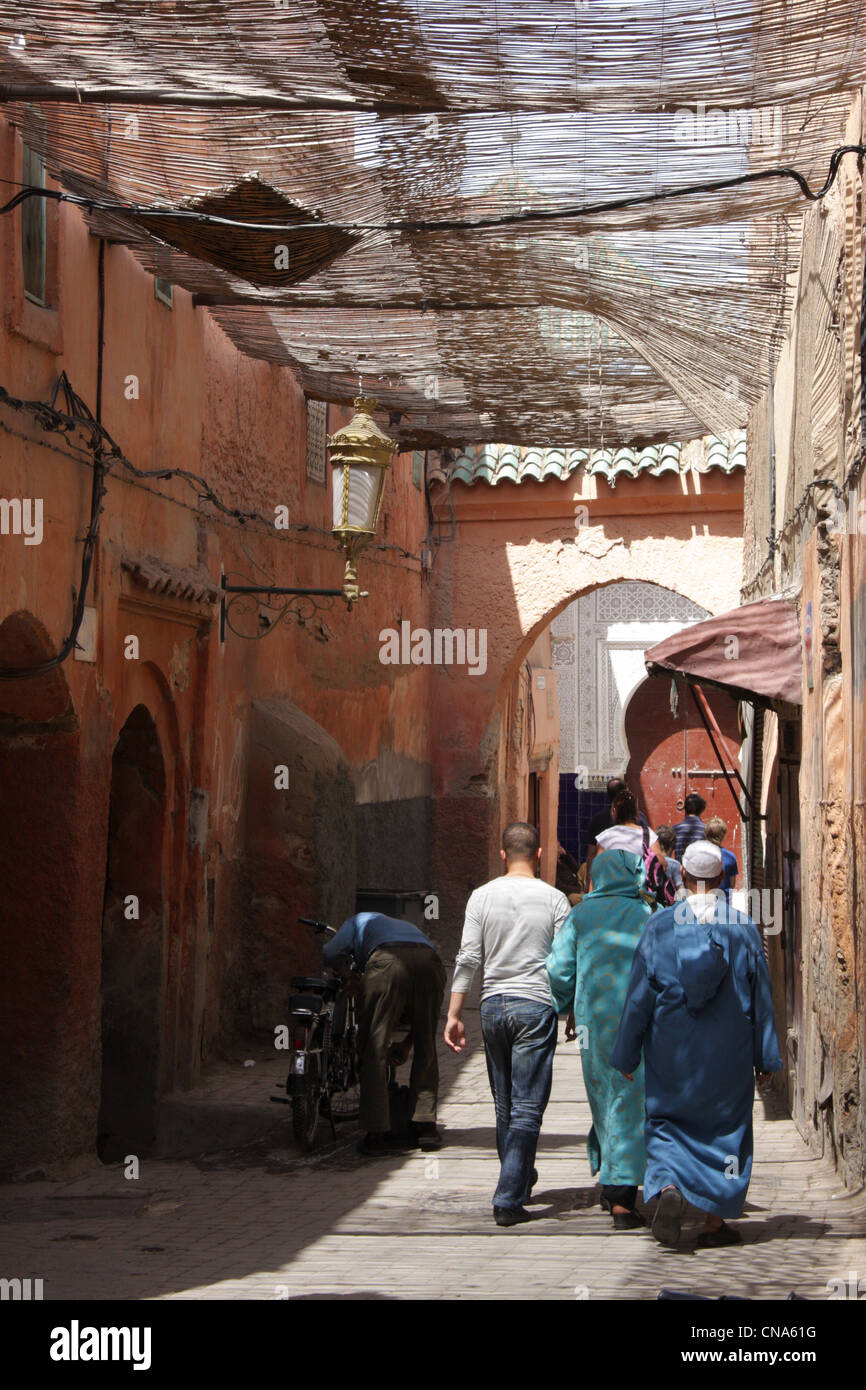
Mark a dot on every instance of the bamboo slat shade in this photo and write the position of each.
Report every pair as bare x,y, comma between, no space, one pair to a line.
261,259
591,55
615,328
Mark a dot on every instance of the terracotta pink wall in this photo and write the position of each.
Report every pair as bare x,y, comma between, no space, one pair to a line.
196,404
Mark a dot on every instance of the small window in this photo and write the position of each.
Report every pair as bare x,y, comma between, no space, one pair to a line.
33,228
317,441
163,290
418,468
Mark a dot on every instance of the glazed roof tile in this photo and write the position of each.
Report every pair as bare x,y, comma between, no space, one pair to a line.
505,463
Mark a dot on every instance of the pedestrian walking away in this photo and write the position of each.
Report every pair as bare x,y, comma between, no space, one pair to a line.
664,879
602,820
692,827
589,969
403,979
630,830
699,1007
716,832
510,926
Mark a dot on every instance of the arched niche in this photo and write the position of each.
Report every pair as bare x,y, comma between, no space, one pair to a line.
133,942
41,1010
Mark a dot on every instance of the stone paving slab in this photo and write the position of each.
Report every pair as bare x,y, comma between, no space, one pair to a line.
267,1223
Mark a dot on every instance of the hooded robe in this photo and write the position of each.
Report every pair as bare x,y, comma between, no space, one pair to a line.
588,969
699,1006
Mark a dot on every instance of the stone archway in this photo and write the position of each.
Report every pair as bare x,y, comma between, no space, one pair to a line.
511,558
43,1084
599,641
544,575
133,943
598,644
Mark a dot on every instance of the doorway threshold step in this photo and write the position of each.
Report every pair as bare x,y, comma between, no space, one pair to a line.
189,1123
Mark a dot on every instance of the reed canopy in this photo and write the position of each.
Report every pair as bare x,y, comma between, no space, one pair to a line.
486,213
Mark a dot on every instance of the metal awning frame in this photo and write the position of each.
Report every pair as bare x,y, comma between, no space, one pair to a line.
709,723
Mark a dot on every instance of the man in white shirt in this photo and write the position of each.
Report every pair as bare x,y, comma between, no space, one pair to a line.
510,925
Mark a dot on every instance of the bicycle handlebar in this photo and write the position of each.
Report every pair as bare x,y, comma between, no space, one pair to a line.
318,926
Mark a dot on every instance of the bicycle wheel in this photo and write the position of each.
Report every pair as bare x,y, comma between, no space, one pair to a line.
346,1094
306,1110
305,1120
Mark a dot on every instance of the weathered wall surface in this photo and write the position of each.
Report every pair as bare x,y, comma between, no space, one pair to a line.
299,860
853,642
816,554
54,809
830,1059
176,394
529,748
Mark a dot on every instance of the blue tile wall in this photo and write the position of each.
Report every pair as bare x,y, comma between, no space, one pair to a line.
577,806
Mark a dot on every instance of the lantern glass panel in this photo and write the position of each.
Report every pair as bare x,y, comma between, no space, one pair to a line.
363,482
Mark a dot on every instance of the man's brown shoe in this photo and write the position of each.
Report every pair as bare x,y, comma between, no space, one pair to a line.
429,1137
380,1146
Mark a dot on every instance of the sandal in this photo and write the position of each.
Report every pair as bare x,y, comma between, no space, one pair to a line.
724,1235
627,1220
668,1217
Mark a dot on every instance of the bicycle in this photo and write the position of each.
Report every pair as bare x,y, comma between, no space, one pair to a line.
323,1074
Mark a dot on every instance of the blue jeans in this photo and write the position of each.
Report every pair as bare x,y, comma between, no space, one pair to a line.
519,1039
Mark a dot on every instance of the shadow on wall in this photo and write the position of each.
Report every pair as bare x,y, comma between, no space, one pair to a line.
133,943
298,861
47,1084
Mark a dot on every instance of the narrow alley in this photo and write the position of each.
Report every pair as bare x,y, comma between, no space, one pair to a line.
264,1223
432,607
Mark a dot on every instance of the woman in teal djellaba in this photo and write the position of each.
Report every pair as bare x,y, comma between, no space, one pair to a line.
589,969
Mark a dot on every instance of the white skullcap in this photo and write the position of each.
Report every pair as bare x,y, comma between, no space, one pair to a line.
702,859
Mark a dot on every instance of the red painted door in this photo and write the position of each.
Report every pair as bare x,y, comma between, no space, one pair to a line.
671,755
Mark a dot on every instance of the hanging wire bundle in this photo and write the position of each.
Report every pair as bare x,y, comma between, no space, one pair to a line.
479,211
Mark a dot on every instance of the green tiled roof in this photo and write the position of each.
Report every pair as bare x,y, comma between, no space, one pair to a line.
504,463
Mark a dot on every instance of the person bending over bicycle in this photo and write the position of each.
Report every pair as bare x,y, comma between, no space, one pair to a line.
403,978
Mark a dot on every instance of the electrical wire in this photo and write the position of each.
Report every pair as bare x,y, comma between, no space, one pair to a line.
97,494
798,514
448,224
105,452
78,416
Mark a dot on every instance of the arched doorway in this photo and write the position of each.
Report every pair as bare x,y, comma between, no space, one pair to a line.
598,644
133,943
39,1009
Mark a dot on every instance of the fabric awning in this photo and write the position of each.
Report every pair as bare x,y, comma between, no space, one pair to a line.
754,652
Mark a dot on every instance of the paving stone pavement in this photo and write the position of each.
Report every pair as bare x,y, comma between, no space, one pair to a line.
264,1223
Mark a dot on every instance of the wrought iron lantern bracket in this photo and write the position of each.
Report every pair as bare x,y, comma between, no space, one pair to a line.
256,602
361,456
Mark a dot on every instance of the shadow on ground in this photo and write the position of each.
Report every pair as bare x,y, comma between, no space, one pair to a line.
262,1221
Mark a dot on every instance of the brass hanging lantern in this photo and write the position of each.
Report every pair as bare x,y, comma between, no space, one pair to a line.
360,456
